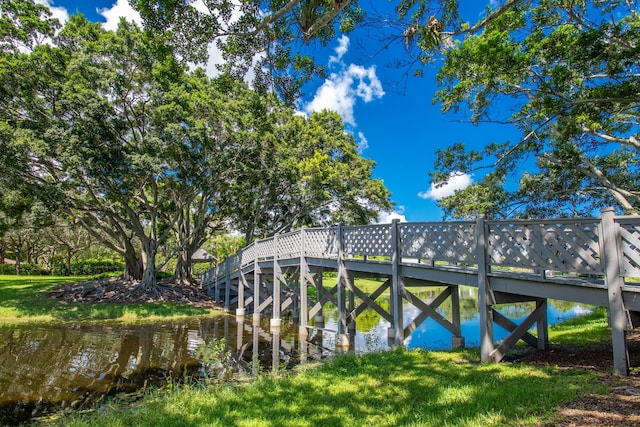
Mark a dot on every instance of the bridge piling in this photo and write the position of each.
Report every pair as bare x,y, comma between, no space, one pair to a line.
396,287
276,292
484,298
615,282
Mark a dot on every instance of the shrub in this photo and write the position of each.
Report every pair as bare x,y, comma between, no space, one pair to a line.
89,268
25,269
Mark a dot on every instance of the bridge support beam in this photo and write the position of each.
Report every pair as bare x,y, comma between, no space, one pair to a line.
277,274
615,282
396,287
484,297
304,271
457,340
256,293
342,340
227,287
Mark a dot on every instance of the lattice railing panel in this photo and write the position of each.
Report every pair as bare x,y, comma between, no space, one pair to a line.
289,245
321,242
437,241
249,254
370,240
561,245
629,230
233,264
265,248
207,278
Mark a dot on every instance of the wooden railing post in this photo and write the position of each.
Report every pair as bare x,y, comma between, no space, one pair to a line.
277,273
304,270
396,286
484,300
256,290
342,338
242,282
227,285
615,282
216,286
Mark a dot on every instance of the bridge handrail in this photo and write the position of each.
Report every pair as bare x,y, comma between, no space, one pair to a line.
571,245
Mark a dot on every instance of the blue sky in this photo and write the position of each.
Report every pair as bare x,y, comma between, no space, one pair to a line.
397,127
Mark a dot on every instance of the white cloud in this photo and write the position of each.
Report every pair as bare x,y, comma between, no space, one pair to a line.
387,217
363,144
121,9
456,181
56,11
343,47
344,88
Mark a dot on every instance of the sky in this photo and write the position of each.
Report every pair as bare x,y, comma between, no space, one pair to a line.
393,120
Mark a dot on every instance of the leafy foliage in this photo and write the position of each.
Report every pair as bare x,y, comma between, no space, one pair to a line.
569,73
261,37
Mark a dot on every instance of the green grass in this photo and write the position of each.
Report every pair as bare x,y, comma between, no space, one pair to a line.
582,331
397,388
23,299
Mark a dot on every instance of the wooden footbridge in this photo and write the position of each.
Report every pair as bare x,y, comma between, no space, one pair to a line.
586,260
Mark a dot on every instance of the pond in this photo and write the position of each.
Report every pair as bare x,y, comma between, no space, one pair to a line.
47,368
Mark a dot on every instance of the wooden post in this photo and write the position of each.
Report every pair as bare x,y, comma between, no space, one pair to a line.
615,282
351,309
342,338
227,285
319,284
396,286
542,325
216,286
304,271
484,300
457,340
275,317
256,292
242,282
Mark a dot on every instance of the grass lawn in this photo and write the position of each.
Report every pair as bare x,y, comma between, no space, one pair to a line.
397,388
23,299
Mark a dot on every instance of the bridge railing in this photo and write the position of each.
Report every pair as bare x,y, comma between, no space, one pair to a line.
451,242
562,245
566,245
629,245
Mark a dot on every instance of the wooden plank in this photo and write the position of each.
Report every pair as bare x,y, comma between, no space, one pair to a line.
265,304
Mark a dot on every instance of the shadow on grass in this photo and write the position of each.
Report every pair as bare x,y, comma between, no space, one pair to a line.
24,299
383,389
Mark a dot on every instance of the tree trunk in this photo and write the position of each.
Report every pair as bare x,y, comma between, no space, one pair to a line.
183,272
67,263
149,283
133,263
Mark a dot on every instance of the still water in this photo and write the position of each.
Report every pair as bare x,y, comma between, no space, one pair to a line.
48,368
